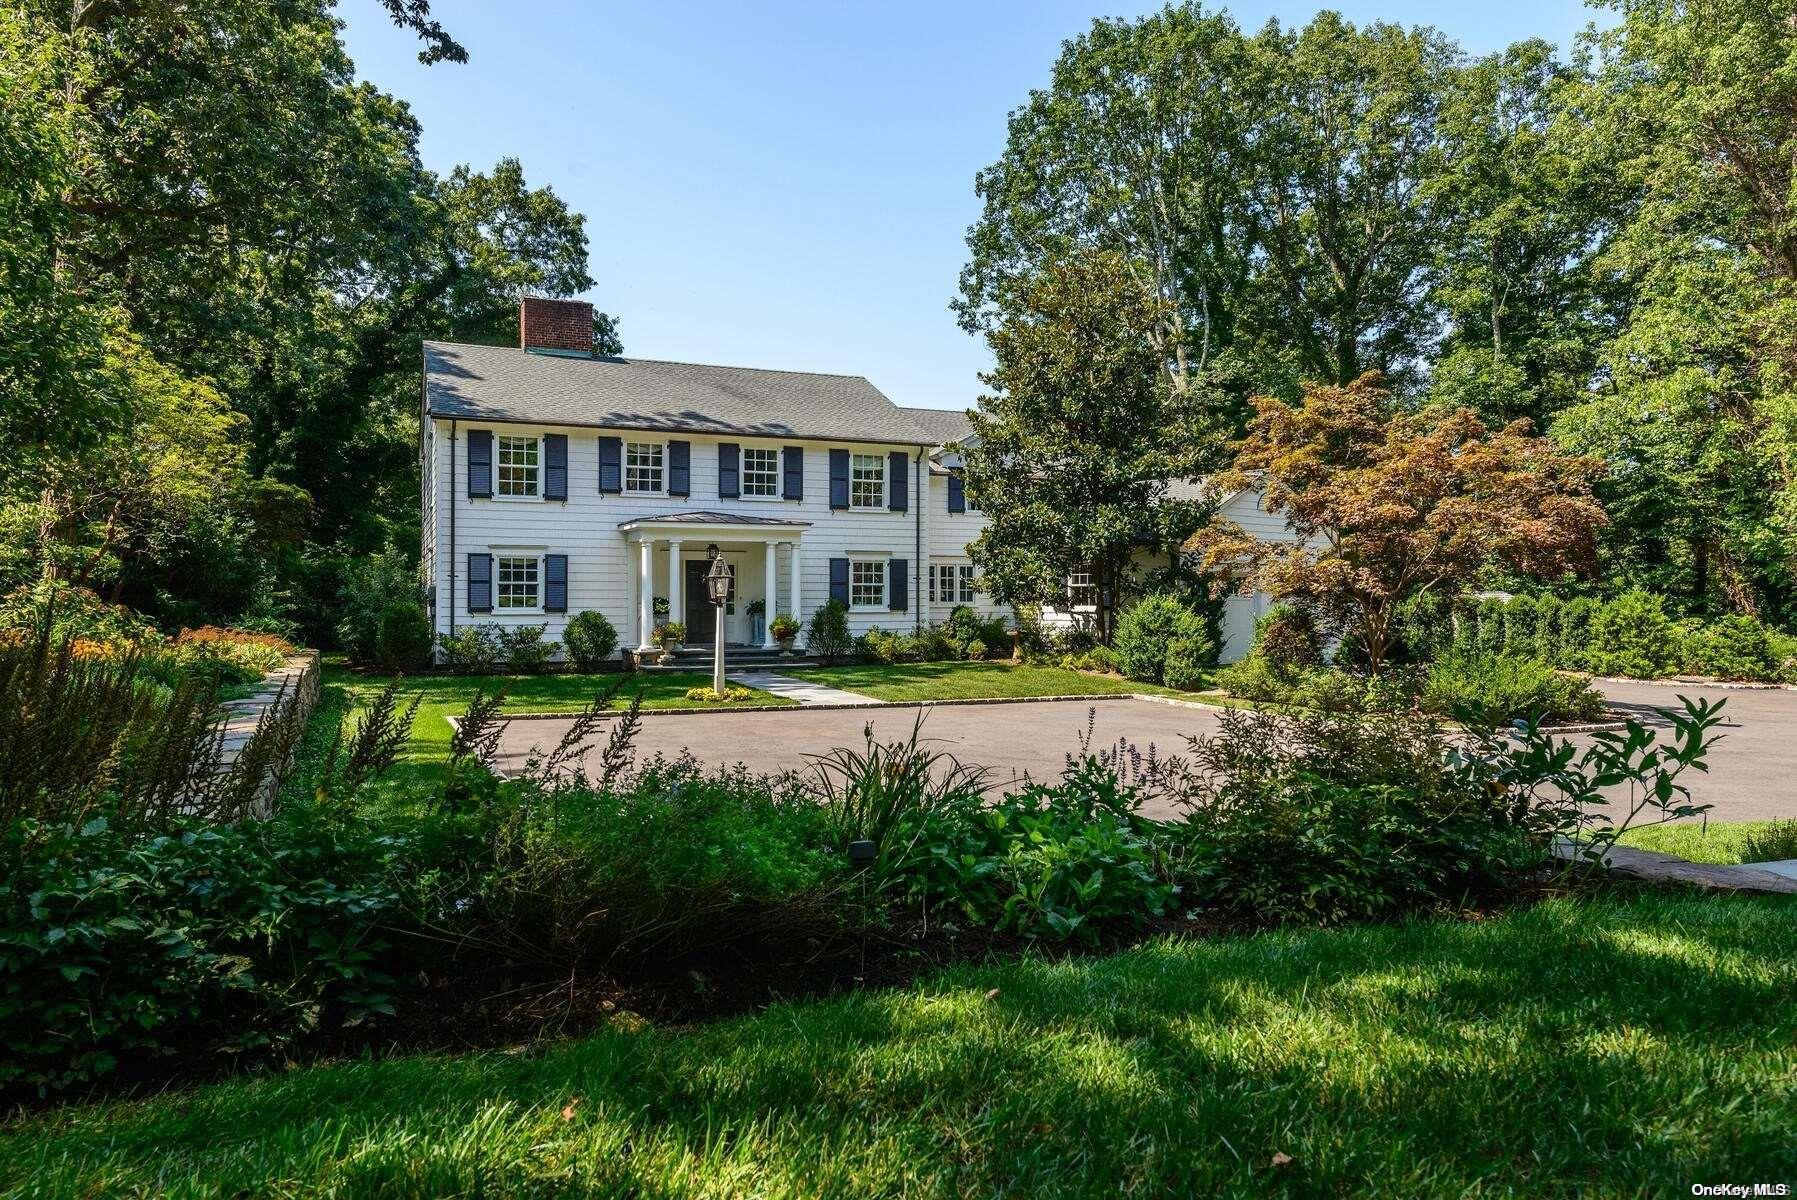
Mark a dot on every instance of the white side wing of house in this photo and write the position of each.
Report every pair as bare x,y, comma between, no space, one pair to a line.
1240,611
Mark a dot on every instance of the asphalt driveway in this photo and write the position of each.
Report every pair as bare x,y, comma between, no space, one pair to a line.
1753,769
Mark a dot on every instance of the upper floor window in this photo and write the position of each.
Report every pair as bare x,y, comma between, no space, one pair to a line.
867,583
867,481
761,471
644,464
518,465
517,582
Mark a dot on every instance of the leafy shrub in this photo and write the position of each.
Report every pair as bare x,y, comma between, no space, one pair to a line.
829,634
591,641
784,626
73,612
1733,647
1328,689
1547,628
1521,618
370,584
934,644
1058,861
115,949
1097,658
1185,666
1632,635
1505,687
670,631
1325,818
1575,633
405,639
1488,625
1145,633
524,648
1287,637
976,650
965,626
474,649
878,645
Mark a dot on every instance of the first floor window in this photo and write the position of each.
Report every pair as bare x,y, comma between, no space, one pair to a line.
518,582
517,466
642,466
867,583
951,583
867,481
761,471
1081,591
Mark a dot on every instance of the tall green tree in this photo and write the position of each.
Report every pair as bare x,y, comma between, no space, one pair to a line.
1073,449
1698,413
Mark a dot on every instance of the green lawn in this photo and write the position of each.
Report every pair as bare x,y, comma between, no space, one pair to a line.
973,680
1718,842
346,693
1615,1047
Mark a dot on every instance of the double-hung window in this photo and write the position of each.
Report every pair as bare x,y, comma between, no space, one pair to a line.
951,583
519,463
1081,591
518,582
761,472
644,467
867,583
867,481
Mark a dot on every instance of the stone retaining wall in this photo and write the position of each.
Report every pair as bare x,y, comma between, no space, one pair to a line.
294,682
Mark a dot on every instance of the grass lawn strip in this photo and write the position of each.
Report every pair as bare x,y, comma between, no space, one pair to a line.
1604,1047
911,682
1718,842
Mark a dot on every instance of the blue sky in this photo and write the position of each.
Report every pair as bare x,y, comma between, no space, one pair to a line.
782,186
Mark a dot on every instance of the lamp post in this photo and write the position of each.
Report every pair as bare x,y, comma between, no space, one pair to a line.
717,583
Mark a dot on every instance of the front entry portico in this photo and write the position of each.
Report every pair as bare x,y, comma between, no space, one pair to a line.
672,554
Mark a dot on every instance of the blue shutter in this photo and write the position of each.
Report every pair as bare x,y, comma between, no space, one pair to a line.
957,494
898,482
792,470
480,463
611,465
839,580
555,583
898,584
480,583
680,468
729,473
839,479
555,466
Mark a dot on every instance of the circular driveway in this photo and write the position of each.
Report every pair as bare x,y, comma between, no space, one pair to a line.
1752,775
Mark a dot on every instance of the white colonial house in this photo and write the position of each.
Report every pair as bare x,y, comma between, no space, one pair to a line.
556,481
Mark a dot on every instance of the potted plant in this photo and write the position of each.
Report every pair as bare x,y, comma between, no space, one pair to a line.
757,611
670,634
785,628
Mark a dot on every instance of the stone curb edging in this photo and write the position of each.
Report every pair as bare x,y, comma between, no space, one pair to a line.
1732,685
1651,866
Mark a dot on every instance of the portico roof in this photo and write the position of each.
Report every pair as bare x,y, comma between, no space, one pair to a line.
711,519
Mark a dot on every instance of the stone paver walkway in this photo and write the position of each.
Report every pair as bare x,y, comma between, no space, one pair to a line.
807,693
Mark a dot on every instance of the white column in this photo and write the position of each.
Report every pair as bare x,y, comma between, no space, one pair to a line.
769,594
645,598
793,602
676,581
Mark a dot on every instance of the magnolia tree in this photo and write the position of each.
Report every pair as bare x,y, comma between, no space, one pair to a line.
1389,505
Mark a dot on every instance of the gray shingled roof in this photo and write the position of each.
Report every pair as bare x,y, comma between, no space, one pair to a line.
943,425
497,383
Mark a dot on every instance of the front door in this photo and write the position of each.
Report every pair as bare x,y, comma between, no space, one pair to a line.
701,618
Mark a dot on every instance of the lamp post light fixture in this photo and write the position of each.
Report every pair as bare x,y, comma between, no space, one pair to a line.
717,583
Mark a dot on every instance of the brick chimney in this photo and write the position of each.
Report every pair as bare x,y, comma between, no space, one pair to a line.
549,324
